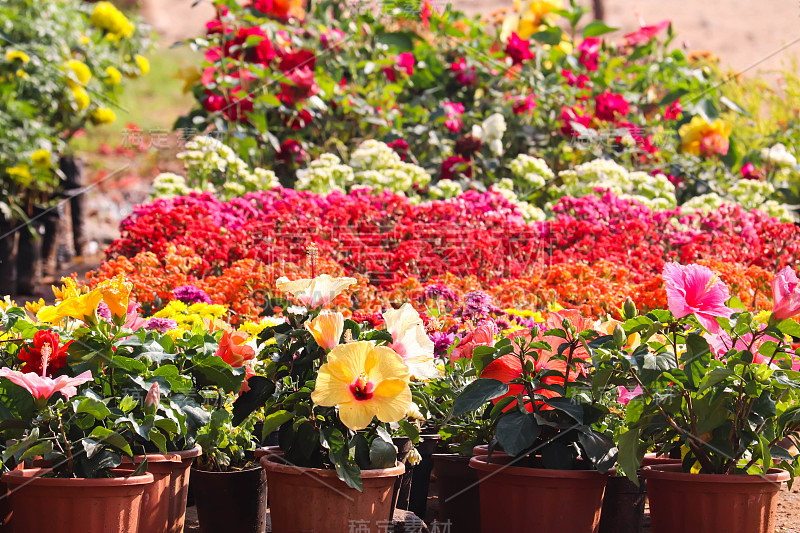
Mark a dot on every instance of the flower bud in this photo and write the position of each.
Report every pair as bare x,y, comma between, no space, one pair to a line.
629,308
153,397
414,457
535,331
620,339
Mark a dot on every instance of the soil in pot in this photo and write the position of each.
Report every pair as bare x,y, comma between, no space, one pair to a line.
702,503
623,506
312,500
60,505
518,499
459,495
231,502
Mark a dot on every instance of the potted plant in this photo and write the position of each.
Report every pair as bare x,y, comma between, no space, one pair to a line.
230,488
720,387
332,389
542,414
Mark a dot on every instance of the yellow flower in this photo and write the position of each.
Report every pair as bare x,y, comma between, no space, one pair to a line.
364,381
35,307
533,14
327,329
102,115
113,76
82,308
69,289
84,40
81,98
41,158
12,55
190,76
7,302
20,173
107,17
21,74
315,292
142,63
116,294
80,73
698,137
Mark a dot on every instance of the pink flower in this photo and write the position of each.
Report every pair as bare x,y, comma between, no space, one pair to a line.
575,81
44,387
153,397
464,75
519,50
625,395
785,294
646,33
574,114
134,321
696,289
673,110
608,105
405,62
523,104
590,50
453,112
750,172
483,335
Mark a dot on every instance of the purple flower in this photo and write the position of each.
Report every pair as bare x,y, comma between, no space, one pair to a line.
477,304
441,342
162,325
189,294
438,291
104,312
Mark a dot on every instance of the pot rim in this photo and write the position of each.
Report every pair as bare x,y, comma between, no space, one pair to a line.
481,463
33,475
169,457
267,450
451,456
269,464
676,473
212,473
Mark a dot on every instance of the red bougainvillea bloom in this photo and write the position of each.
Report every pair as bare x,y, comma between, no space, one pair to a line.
696,289
785,294
673,110
609,106
464,75
44,356
646,33
519,50
590,51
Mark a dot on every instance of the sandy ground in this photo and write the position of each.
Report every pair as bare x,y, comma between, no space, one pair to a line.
748,35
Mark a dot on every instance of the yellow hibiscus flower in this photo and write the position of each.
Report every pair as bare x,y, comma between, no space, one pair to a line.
116,294
82,307
364,381
327,329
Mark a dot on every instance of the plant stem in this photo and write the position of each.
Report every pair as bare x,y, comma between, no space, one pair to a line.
67,447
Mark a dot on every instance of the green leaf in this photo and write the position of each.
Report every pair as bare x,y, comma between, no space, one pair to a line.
397,40
382,454
478,393
157,438
275,420
96,408
339,453
597,28
128,404
132,366
261,390
411,430
631,454
715,376
599,449
551,36
517,432
789,327
41,448
217,372
111,438
568,407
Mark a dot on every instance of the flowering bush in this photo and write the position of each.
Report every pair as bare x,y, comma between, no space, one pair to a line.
61,68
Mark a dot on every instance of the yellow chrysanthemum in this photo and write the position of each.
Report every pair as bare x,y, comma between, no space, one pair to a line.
7,302
81,98
20,173
21,74
81,308
13,55
364,381
107,17
116,294
533,14
698,137
81,74
41,158
113,76
142,63
102,115
35,307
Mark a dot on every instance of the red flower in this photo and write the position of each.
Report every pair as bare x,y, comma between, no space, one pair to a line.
261,52
44,356
574,114
299,58
509,368
590,50
523,104
673,110
646,33
750,172
401,147
608,105
465,76
454,167
405,62
467,146
291,152
519,50
213,102
303,85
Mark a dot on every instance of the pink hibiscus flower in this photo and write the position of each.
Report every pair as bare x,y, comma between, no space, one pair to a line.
785,294
44,387
696,289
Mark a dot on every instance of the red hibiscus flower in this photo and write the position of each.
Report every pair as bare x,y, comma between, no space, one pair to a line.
44,356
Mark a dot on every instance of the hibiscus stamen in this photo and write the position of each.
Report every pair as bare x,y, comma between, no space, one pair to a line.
362,389
47,350
312,252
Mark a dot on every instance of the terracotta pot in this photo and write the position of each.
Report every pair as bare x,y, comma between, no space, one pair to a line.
651,459
517,499
701,503
459,497
60,505
164,506
258,453
328,504
483,450
233,502
623,506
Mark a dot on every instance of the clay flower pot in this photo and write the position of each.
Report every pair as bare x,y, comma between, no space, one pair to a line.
700,503
459,496
233,502
651,459
164,506
516,499
483,449
62,505
327,504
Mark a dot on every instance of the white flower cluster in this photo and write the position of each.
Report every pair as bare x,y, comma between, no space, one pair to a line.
654,191
445,189
530,171
749,194
213,166
373,164
778,155
505,187
491,132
